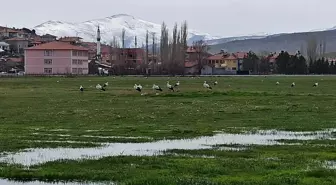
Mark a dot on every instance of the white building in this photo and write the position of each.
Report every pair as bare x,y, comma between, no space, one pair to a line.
4,46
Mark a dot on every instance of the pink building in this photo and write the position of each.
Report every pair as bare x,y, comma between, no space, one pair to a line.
56,58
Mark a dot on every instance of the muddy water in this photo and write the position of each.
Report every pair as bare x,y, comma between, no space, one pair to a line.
7,182
269,137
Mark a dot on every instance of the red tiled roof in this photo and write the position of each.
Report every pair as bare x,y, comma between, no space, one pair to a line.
56,45
190,64
16,39
241,55
216,57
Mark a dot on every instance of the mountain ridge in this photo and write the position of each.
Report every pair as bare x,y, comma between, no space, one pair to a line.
113,25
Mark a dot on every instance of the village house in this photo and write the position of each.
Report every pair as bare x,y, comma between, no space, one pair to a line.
4,46
71,40
221,64
191,66
240,59
12,33
18,44
92,47
48,38
191,62
56,58
11,64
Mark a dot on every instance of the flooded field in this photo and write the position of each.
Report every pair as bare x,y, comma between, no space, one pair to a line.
243,131
35,156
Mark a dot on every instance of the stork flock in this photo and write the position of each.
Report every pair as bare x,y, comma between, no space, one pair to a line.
157,88
171,88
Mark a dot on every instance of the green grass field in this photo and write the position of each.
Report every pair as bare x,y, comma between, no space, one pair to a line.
35,112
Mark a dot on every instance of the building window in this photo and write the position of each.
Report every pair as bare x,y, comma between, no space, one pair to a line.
234,68
74,70
80,62
48,52
74,53
47,61
48,70
79,53
74,62
80,71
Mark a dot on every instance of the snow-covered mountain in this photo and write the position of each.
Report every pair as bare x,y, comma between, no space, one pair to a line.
112,26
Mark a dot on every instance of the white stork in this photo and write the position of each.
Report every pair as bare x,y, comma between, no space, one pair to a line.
156,88
138,87
170,87
293,84
99,87
177,84
205,85
105,84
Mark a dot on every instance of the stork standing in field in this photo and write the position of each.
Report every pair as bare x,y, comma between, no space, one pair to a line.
170,87
215,83
105,84
315,85
277,83
99,87
177,84
156,88
205,85
293,84
81,88
138,87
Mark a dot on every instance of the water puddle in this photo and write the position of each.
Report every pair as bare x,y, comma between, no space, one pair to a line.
9,182
115,137
269,137
330,165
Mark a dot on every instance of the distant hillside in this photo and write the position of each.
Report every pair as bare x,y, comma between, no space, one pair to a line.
291,42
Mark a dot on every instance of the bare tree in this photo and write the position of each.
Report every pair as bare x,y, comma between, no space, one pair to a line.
135,41
164,45
147,47
324,45
312,49
184,44
123,35
201,49
153,46
173,49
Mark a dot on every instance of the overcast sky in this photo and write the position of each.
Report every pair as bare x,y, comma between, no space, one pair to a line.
217,17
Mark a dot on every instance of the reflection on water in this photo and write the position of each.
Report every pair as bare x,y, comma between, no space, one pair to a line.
8,182
269,137
330,165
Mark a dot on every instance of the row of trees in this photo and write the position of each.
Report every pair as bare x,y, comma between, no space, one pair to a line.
166,57
288,64
173,50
